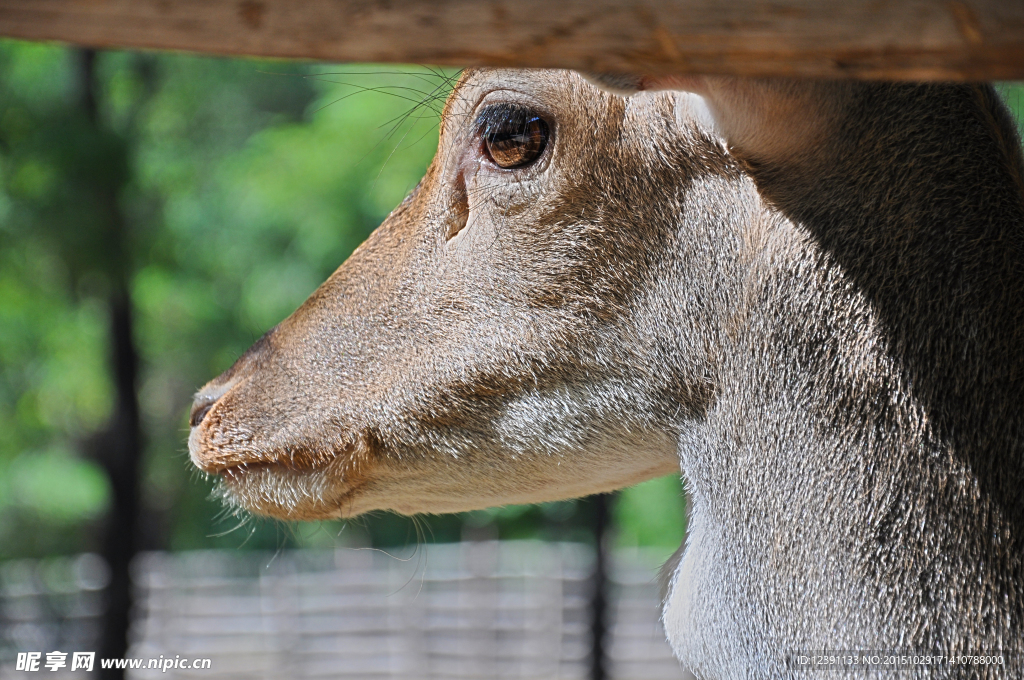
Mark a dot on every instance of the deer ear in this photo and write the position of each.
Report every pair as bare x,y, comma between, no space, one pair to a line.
767,120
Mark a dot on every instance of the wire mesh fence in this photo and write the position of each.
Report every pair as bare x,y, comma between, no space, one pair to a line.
468,610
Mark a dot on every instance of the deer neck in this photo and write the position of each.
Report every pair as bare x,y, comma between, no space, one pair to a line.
872,383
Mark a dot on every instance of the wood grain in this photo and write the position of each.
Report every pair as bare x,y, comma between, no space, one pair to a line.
914,39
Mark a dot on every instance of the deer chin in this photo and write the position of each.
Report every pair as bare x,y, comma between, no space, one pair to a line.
297,492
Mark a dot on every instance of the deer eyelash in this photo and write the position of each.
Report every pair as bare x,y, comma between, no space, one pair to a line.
497,116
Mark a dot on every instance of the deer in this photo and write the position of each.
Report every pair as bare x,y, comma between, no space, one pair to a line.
807,297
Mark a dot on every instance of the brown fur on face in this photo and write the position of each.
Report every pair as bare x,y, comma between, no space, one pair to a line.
504,336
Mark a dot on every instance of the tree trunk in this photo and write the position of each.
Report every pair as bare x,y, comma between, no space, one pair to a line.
119,447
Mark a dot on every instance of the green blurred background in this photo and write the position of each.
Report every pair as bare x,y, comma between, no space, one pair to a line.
217,193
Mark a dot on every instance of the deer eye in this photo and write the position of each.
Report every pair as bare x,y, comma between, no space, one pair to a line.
513,136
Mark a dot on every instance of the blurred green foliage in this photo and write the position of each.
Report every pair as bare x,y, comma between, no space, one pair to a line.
246,183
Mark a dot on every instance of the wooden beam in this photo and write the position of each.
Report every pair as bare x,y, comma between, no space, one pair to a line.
911,39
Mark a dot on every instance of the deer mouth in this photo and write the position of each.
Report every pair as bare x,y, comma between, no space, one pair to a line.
274,473
229,440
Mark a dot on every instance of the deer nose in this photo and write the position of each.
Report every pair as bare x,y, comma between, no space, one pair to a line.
207,398
200,407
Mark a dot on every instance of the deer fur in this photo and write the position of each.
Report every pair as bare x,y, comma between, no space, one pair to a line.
807,296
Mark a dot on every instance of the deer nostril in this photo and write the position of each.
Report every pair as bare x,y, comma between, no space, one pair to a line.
199,411
207,398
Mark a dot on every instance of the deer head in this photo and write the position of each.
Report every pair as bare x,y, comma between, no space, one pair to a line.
532,323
